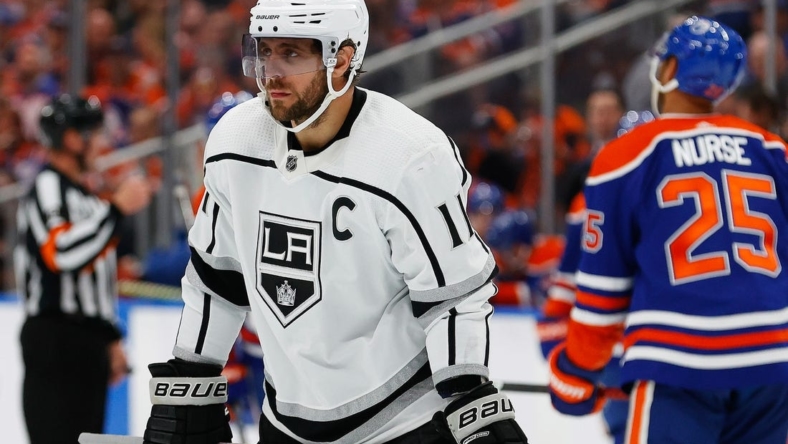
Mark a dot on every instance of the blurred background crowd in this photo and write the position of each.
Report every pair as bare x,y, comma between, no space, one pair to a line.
497,124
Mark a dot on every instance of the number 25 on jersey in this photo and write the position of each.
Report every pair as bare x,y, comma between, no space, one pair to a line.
738,189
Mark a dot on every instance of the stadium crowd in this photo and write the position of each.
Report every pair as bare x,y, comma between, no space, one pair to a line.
497,126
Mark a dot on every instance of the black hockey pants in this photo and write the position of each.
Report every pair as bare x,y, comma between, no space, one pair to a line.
66,375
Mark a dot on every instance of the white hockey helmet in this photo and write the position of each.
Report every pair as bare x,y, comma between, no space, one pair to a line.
331,22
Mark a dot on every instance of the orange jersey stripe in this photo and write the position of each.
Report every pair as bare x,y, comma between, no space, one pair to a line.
551,331
726,342
554,308
558,282
49,249
638,410
608,303
628,148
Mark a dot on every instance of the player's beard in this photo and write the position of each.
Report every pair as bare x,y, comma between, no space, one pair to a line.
306,104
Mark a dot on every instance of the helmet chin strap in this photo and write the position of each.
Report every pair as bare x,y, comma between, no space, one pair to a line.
657,87
332,94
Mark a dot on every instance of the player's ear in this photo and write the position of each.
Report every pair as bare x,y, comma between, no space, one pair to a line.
344,55
669,69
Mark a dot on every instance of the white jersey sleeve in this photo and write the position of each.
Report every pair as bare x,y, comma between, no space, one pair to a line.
214,293
445,264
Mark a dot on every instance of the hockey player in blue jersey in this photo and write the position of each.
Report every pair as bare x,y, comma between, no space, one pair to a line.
552,324
682,260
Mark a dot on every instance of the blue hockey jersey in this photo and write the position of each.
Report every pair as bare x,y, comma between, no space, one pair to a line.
681,245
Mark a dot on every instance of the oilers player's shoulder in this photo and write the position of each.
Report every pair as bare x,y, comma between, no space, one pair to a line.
770,140
243,130
625,153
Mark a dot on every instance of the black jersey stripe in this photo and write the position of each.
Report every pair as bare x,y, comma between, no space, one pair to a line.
455,150
329,431
206,317
49,282
420,308
64,210
487,250
90,252
241,158
215,219
89,236
205,202
487,345
465,216
436,268
452,336
227,284
180,322
40,214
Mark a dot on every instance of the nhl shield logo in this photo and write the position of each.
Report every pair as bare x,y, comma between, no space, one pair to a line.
288,265
292,163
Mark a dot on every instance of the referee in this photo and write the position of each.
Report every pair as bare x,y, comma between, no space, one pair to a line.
66,272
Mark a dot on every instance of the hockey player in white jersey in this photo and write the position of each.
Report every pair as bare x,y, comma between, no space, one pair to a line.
337,217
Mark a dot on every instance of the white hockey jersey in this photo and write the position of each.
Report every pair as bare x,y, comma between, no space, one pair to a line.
365,280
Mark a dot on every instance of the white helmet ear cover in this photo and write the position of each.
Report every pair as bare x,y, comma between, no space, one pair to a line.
658,88
666,88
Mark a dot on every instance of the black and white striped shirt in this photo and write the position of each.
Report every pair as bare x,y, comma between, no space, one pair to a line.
65,258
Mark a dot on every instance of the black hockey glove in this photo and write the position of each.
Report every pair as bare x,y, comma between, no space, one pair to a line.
188,404
481,416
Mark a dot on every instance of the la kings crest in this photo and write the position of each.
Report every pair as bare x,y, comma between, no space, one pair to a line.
288,265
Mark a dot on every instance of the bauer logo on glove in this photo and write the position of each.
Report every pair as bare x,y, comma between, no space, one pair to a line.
201,390
479,411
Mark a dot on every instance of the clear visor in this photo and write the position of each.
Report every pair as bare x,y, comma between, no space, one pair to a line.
279,57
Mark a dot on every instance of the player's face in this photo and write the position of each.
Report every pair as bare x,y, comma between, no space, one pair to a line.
78,144
294,97
603,112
